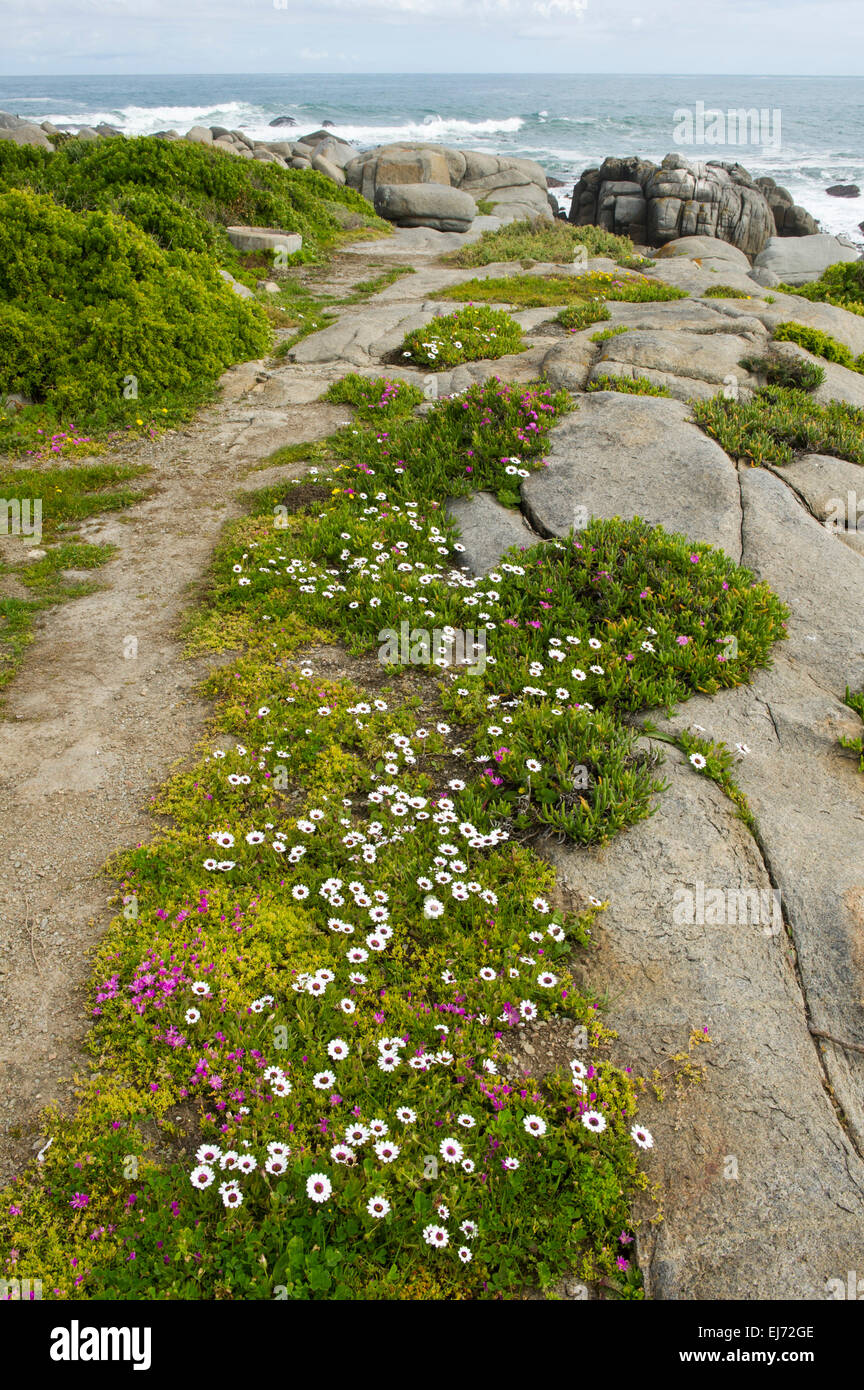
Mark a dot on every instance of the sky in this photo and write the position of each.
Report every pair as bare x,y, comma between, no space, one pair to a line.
762,37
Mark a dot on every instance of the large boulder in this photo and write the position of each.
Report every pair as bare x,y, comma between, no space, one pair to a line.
628,456
688,365
331,171
26,134
803,259
516,188
654,205
411,166
337,152
426,205
283,120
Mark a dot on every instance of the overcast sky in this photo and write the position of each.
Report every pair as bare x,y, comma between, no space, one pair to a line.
281,36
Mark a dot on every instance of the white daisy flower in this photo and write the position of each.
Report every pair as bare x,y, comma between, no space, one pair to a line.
642,1137
318,1187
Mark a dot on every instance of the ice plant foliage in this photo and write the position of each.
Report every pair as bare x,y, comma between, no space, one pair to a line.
343,936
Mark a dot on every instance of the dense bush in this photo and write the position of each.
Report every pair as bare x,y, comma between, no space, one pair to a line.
540,240
88,301
184,195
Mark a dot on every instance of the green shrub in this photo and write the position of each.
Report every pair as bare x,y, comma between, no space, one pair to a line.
630,385
374,397
92,302
541,291
793,372
841,284
780,422
540,240
606,333
820,344
582,314
184,195
856,744
727,292
469,334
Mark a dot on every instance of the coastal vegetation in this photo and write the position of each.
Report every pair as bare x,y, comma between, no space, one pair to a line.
820,344
841,284
855,744
114,315
794,372
539,291
780,421
630,385
559,242
468,335
727,292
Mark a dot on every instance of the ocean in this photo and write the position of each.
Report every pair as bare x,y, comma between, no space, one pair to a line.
567,122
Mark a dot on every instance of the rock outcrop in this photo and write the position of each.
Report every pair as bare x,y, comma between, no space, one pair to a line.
425,205
797,261
789,219
655,204
21,132
515,188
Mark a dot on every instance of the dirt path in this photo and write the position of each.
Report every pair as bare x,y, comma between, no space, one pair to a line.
89,731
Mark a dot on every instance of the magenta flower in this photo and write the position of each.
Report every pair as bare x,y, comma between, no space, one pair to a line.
79,1201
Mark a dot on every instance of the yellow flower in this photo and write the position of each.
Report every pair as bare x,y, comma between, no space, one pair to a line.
139,422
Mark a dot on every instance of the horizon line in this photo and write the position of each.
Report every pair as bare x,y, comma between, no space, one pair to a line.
511,72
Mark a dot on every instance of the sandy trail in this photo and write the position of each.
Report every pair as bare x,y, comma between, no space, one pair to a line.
89,731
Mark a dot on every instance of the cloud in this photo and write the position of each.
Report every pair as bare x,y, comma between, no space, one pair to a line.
548,8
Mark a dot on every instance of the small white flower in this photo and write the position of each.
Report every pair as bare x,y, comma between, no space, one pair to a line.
318,1187
642,1137
451,1150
